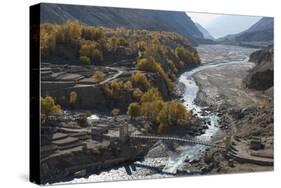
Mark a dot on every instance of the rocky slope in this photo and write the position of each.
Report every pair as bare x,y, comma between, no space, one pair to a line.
205,33
154,20
261,76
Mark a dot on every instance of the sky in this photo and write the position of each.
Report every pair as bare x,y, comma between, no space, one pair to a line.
220,25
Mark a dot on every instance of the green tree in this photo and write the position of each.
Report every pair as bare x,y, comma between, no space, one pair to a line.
85,60
134,110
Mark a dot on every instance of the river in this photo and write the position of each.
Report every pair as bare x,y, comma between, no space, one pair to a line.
211,56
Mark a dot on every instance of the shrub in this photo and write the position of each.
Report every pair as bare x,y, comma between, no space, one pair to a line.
115,112
134,110
85,60
99,76
48,106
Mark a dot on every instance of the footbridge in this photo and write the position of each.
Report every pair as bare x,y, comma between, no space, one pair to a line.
125,136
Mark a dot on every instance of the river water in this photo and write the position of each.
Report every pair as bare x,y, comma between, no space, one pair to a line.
211,56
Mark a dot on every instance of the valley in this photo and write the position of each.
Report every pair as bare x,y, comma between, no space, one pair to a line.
122,99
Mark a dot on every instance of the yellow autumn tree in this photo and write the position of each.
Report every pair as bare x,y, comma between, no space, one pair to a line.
99,76
140,80
48,105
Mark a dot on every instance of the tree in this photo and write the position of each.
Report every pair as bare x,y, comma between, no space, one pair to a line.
151,95
48,106
186,56
96,55
99,76
69,33
173,113
147,64
150,110
85,60
72,98
140,80
177,112
91,33
134,110
137,93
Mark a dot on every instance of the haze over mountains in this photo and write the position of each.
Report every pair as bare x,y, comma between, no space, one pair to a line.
259,34
220,25
205,33
155,20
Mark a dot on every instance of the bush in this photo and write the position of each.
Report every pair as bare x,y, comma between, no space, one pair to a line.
85,60
115,112
48,106
99,76
134,110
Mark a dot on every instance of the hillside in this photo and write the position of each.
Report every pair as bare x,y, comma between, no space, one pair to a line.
260,34
261,76
205,33
154,20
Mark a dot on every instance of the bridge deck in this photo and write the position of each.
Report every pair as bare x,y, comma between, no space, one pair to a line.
191,141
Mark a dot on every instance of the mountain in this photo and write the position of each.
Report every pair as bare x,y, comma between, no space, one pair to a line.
205,33
155,20
259,34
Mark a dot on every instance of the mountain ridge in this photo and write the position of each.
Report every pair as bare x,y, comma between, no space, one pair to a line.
204,31
259,34
154,20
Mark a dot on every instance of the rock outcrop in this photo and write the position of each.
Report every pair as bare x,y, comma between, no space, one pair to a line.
261,76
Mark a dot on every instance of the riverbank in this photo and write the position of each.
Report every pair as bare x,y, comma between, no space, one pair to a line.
245,114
